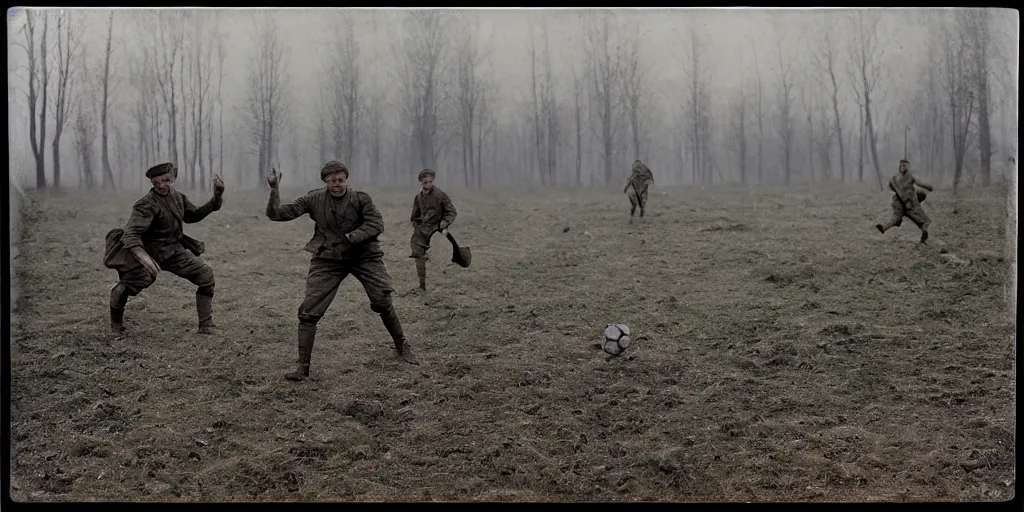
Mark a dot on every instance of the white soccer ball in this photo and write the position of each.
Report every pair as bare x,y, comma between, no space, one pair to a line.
616,339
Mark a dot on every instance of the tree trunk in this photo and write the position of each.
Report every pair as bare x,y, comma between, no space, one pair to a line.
984,128
860,161
871,139
108,173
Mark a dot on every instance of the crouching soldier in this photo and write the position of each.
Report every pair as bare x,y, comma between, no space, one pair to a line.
906,201
432,211
153,240
345,231
636,188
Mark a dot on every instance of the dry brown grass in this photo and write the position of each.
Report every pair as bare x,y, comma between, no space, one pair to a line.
786,351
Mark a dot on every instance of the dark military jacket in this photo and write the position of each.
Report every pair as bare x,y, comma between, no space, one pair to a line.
157,222
334,217
640,178
432,211
903,186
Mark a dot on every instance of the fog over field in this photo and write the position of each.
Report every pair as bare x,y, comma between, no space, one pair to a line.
512,97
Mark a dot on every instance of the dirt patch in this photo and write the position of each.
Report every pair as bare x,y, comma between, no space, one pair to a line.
802,357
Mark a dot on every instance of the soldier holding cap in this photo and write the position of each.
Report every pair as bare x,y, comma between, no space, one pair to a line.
345,231
432,211
153,240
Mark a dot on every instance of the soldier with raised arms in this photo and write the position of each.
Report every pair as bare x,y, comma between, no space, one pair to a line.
154,240
345,231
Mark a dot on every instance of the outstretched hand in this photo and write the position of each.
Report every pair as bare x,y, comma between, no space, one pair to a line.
218,184
274,178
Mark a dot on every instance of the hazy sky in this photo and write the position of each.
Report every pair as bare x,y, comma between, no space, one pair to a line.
731,38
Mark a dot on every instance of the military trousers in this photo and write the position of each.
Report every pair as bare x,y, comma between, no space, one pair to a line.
915,213
171,258
325,276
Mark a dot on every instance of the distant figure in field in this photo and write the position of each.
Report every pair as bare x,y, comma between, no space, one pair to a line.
153,240
636,188
345,231
432,211
906,201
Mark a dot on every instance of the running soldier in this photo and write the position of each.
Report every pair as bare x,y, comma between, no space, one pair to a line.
153,240
432,211
906,201
344,242
639,180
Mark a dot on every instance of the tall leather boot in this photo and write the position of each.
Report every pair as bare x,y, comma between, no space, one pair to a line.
307,335
118,300
204,309
421,272
394,327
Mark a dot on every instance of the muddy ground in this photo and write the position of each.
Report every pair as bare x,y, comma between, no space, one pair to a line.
786,351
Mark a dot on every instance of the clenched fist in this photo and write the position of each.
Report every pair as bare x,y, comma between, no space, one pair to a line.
151,267
274,178
218,185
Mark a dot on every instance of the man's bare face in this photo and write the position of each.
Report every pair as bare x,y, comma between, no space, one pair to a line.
162,184
427,183
904,167
337,184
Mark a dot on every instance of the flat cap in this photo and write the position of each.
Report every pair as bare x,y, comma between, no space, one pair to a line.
426,172
159,170
332,167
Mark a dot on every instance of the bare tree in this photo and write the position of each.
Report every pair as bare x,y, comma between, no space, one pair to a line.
603,61
976,24
83,143
825,58
266,93
785,103
422,68
759,114
84,121
865,56
374,135
202,68
739,130
470,88
67,47
145,111
345,89
958,85
698,110
38,82
634,89
488,95
544,110
186,81
934,109
577,94
167,40
221,54
108,173
323,143
807,102
213,40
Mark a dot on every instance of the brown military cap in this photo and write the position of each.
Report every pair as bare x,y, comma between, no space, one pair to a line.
426,172
332,167
159,170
